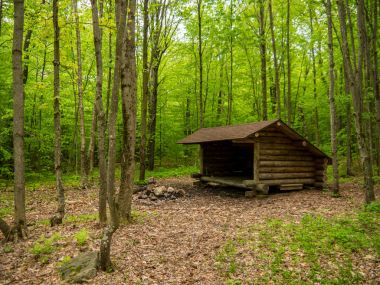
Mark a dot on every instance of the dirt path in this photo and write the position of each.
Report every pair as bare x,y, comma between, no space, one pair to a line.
172,242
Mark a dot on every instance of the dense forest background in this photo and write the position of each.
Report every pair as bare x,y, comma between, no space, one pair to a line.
210,63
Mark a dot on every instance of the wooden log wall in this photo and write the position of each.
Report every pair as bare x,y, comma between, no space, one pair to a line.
286,161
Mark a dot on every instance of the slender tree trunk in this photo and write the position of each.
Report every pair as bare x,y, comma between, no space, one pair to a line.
155,63
289,99
316,113
375,78
1,16
25,72
105,245
129,97
275,62
349,141
57,218
230,90
152,117
334,147
83,156
263,61
100,115
91,146
145,91
200,54
18,120
354,78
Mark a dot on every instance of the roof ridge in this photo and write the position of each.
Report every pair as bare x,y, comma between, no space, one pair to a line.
243,124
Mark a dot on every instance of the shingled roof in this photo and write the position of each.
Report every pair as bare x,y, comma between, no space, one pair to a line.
225,132
236,132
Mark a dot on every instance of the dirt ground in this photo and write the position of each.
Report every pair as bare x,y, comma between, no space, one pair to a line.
171,242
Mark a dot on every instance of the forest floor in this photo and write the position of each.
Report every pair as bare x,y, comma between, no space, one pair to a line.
210,236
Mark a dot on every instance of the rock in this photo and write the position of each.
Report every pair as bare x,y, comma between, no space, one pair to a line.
180,193
152,197
159,191
80,269
139,188
152,180
170,189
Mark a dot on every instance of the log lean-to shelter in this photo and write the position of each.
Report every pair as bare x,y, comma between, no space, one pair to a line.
259,156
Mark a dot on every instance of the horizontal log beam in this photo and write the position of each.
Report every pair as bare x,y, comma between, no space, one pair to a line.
287,169
274,140
285,158
284,152
289,181
279,146
271,134
259,187
223,181
286,175
286,163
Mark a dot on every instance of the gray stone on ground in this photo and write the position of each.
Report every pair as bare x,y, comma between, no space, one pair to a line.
80,269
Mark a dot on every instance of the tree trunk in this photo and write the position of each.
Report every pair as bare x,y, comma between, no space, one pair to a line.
200,54
145,91
100,115
152,118
83,155
316,113
230,90
57,218
354,78
105,245
275,63
129,94
18,120
349,141
289,98
1,16
263,60
334,147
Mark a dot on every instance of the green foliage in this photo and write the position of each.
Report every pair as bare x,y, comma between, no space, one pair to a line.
163,172
5,211
316,248
81,237
82,218
44,246
7,248
66,259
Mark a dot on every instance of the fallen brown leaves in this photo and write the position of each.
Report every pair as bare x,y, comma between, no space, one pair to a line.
175,242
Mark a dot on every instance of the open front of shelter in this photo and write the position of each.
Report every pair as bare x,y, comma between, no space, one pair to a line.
259,155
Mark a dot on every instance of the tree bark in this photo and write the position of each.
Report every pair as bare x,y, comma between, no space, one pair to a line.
83,155
129,97
289,98
263,60
57,218
105,245
25,72
316,113
101,120
354,77
334,147
145,91
230,89
18,120
275,62
200,54
1,16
